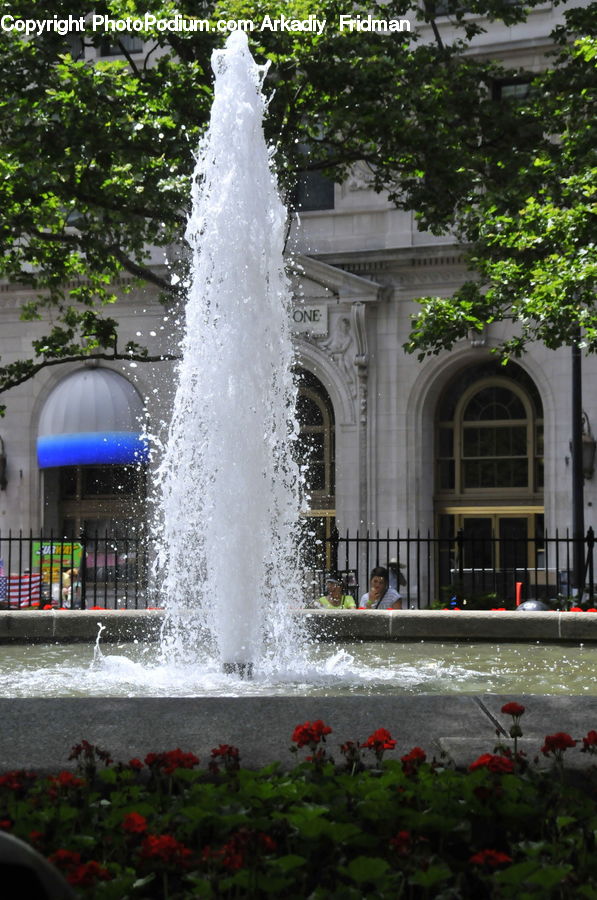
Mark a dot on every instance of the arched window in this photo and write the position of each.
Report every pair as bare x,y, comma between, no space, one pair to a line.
489,466
316,441
316,456
490,436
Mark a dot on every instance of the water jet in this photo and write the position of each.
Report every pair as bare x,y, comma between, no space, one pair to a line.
228,481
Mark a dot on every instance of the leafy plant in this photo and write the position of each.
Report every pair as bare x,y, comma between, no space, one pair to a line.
404,827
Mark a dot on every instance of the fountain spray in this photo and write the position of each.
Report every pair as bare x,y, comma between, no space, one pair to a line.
229,483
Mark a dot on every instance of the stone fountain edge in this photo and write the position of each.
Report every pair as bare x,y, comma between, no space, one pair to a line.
71,626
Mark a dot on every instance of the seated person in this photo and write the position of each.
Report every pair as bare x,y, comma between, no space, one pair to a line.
335,598
380,595
71,589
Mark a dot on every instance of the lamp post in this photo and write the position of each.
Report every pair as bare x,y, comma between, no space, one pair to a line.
578,510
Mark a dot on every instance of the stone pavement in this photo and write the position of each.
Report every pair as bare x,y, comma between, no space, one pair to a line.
38,733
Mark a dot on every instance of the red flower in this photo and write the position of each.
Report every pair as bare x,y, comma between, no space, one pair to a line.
171,760
243,843
402,843
135,764
380,737
66,780
89,752
62,859
6,823
411,761
416,755
499,765
590,742
134,823
225,750
79,873
352,753
379,741
557,743
229,755
513,709
165,849
87,874
310,733
492,858
13,780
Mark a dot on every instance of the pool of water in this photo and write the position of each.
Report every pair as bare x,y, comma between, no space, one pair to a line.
82,670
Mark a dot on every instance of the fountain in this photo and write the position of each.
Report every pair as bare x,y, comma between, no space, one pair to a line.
228,560
229,485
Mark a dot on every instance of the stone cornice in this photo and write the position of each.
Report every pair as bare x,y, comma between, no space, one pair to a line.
337,283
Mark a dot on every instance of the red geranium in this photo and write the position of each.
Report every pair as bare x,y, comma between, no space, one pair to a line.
310,733
135,764
557,743
134,823
64,780
590,742
63,858
380,741
80,874
380,738
411,761
499,765
402,843
492,858
228,755
513,709
244,842
90,752
165,849
171,760
17,779
416,755
87,874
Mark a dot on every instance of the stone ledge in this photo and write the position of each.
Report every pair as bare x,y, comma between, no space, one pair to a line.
40,626
38,733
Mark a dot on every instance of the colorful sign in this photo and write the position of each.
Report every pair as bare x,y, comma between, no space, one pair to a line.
52,557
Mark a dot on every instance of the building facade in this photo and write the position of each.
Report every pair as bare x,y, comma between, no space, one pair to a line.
456,442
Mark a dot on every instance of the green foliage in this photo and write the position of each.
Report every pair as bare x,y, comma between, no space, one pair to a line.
532,229
408,828
96,153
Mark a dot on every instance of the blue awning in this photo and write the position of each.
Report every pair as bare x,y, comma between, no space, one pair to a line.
92,417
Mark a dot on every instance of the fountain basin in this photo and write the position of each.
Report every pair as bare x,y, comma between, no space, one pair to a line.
361,668
41,626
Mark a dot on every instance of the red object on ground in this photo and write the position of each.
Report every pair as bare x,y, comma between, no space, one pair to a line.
518,593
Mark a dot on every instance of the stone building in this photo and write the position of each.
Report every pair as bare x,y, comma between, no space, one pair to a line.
454,442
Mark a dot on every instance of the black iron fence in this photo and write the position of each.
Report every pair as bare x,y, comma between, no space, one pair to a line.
463,570
468,571
96,570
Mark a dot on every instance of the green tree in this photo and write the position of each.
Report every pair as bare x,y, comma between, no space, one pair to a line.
533,252
96,157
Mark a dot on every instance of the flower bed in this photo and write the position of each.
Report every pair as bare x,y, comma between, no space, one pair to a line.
364,825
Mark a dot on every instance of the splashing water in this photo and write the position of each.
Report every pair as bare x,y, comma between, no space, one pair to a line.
229,485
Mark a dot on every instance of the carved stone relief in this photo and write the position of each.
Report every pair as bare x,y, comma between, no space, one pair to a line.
341,350
360,178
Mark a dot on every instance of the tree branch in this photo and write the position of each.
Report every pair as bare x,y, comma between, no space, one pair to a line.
110,357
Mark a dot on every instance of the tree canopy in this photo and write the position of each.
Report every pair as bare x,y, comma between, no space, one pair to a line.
533,237
96,150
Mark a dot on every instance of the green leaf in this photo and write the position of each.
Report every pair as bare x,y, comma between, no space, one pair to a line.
367,869
432,876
